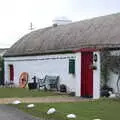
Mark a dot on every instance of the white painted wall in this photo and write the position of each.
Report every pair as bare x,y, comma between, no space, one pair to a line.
78,74
54,65
47,65
112,82
96,77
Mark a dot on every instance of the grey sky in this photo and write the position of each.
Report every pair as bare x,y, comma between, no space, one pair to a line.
16,15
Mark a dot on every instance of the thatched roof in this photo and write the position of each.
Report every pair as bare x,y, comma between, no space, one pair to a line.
2,51
97,32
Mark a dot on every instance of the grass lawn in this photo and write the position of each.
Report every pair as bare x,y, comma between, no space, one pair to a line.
21,92
105,109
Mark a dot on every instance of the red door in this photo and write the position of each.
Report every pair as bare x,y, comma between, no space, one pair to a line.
86,74
11,68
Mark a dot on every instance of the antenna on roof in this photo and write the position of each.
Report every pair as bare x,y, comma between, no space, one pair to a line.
31,26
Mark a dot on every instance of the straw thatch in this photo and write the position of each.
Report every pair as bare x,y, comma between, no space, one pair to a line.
96,33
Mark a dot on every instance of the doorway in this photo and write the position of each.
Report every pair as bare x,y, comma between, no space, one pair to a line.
11,73
86,74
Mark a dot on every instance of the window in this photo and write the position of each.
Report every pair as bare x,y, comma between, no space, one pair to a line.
72,66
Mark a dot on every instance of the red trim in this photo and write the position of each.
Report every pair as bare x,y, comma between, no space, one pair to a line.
11,72
87,50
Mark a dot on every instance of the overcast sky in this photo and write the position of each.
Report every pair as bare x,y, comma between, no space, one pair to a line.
16,15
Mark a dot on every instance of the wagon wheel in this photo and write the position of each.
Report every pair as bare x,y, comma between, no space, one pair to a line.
23,80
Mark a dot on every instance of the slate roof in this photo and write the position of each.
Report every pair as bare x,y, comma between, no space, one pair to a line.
98,32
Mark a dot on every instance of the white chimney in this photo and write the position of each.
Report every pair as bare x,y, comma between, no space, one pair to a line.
61,21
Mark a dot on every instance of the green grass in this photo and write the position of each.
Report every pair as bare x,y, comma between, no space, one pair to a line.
21,92
104,109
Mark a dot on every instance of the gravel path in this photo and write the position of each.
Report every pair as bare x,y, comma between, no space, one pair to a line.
43,99
11,113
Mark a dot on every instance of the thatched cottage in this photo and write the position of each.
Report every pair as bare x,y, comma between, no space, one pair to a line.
71,52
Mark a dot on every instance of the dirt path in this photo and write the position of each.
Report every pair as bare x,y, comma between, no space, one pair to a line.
42,99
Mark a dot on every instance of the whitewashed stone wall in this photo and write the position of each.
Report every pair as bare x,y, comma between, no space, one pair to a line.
53,65
46,65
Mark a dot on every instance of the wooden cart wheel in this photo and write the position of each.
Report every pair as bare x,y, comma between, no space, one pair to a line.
23,79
